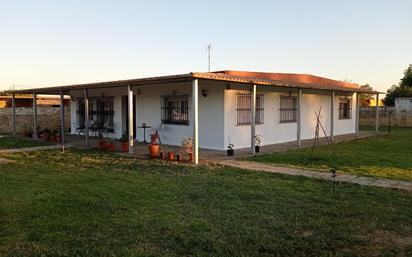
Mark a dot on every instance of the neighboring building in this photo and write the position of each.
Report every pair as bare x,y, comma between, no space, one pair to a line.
403,104
26,100
222,106
372,103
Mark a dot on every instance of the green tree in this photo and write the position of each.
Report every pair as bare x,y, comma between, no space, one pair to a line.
403,89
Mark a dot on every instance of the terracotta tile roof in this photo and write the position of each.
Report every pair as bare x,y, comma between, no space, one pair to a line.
304,81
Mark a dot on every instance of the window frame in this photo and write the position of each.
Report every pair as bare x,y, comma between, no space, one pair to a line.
167,110
342,110
243,113
283,111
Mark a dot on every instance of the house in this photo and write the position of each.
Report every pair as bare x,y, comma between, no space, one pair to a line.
215,108
403,104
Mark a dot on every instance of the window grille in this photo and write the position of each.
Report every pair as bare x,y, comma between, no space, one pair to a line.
345,108
175,109
288,109
243,109
80,113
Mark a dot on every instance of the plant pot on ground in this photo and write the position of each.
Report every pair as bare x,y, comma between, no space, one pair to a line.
171,156
103,144
111,147
124,144
230,149
154,150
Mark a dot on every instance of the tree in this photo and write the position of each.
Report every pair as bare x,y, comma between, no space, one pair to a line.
365,98
403,89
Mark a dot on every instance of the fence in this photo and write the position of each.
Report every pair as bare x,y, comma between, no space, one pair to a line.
386,114
47,117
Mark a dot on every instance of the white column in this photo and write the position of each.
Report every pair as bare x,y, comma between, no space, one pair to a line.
13,104
299,120
62,118
253,120
357,114
332,116
377,113
130,118
195,103
34,115
86,118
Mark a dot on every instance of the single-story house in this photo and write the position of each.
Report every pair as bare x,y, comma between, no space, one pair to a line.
215,108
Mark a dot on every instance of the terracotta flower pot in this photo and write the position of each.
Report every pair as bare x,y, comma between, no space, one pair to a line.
154,150
124,147
171,156
190,156
111,147
103,145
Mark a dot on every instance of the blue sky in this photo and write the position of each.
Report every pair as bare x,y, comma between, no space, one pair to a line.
46,43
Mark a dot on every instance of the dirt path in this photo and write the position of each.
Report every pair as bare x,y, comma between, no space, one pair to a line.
360,180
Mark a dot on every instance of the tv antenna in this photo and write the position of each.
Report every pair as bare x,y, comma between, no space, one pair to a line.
209,49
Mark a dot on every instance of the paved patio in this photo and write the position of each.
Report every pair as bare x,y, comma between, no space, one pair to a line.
205,155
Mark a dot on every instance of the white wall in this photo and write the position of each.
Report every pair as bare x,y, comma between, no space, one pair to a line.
275,132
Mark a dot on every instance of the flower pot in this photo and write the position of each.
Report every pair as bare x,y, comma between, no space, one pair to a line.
154,150
124,147
190,156
103,145
111,147
230,152
257,149
171,156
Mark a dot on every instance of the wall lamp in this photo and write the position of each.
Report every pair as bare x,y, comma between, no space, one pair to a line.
204,92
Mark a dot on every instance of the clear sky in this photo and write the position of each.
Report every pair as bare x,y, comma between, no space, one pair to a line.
45,43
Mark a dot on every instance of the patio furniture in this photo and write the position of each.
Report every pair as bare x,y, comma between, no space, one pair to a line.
144,127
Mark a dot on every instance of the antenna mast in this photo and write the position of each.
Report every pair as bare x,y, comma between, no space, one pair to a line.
209,49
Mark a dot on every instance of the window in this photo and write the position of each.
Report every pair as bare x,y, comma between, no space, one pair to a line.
345,108
288,109
175,109
80,113
105,113
243,109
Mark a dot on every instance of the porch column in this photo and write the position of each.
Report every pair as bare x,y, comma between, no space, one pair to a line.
195,103
86,118
357,114
34,115
13,116
130,118
332,116
377,113
299,118
62,118
253,120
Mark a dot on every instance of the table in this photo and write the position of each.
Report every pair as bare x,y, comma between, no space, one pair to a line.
144,127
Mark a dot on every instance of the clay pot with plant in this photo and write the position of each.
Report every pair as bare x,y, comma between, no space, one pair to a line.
111,147
154,146
103,144
187,144
124,143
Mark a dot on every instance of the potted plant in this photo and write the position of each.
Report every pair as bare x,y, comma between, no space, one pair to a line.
111,147
258,142
230,149
171,156
187,144
124,143
154,147
103,144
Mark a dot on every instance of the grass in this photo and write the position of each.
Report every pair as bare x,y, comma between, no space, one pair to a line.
10,142
384,156
91,204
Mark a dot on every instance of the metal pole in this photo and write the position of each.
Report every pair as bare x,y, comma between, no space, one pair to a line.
34,116
62,118
377,114
13,104
253,120
357,113
86,118
299,121
332,116
195,100
130,112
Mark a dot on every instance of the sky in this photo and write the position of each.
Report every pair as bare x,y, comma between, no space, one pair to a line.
48,43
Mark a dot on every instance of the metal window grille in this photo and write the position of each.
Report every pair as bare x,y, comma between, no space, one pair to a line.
345,108
105,113
288,109
80,113
243,109
175,109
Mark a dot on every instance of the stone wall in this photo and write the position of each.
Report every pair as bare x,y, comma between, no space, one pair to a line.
386,113
47,117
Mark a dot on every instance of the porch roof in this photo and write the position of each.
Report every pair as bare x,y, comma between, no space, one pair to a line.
304,81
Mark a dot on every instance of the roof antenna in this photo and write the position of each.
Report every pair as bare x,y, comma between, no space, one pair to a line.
209,49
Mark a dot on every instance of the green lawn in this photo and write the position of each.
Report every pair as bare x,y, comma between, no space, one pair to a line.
384,156
10,142
90,204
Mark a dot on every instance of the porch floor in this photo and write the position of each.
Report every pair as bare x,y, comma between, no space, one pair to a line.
205,155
